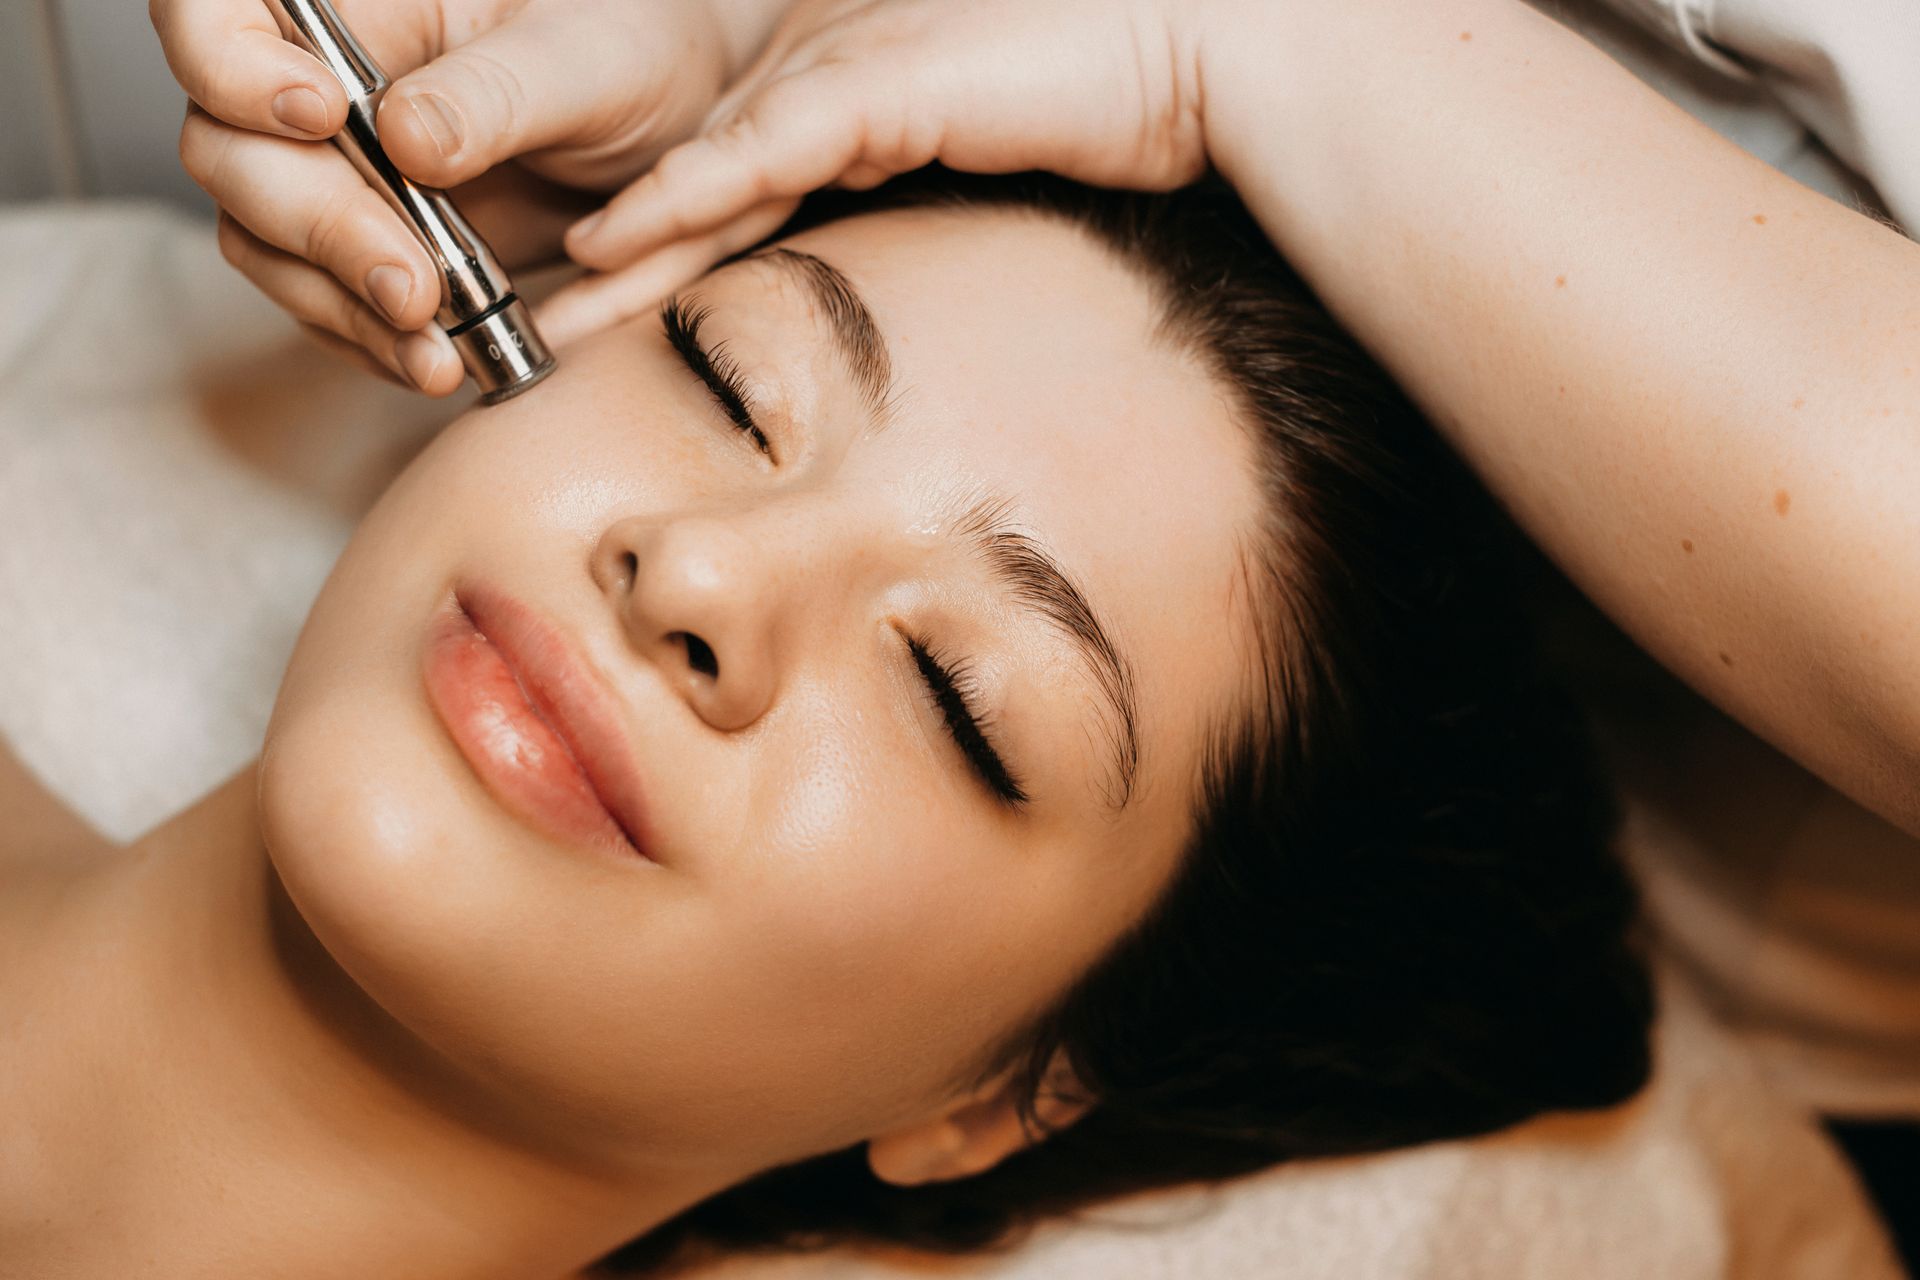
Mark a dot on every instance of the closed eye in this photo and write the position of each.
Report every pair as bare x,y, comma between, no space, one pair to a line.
716,367
953,695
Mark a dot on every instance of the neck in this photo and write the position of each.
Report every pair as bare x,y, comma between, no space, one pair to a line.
214,1095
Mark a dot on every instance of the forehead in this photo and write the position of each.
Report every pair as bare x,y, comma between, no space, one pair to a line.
1028,365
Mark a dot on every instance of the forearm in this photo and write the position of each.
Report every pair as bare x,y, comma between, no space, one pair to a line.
1691,379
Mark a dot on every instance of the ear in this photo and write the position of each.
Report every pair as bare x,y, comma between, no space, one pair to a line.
975,1132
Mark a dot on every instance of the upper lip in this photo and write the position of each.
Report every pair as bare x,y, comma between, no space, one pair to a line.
570,695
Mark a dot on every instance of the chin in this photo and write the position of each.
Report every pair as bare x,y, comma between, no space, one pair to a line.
445,914
354,826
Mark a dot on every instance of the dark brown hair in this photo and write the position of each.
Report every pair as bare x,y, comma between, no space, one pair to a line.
1399,917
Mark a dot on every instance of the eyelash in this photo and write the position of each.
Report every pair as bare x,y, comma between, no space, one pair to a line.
949,684
716,367
951,687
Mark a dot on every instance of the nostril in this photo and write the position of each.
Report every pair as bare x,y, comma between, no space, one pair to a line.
700,654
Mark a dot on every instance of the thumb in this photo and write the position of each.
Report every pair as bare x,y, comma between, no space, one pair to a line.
597,101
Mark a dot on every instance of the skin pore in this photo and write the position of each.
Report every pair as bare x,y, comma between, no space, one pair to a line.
351,996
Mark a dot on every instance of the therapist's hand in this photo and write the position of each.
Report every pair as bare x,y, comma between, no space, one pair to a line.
851,92
580,94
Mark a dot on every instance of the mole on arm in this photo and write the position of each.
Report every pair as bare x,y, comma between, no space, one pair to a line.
1686,545
1782,500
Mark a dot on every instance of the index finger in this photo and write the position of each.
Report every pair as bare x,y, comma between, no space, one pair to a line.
598,302
796,134
230,57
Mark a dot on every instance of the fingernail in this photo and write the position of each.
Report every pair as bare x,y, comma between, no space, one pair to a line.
580,235
419,356
442,123
584,229
301,109
390,287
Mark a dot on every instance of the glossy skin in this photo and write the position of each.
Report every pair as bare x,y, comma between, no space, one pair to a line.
842,917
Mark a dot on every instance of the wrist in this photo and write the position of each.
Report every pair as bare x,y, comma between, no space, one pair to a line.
1261,65
1293,87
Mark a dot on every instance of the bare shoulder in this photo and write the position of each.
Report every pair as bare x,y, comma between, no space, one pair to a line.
34,823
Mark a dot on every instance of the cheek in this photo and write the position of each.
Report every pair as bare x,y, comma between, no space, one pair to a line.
359,831
573,989
883,935
461,923
883,989
834,783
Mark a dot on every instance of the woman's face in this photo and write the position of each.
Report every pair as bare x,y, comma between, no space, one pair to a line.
837,912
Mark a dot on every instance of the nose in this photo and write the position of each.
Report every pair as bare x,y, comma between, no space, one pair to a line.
697,596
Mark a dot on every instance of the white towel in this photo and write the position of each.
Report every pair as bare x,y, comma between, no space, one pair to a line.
156,571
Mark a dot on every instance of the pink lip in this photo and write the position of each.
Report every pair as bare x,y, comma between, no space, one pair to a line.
531,718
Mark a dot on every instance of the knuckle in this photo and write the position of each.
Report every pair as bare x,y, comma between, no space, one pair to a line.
741,133
369,331
497,85
332,310
787,94
356,326
749,127
338,221
674,166
222,80
739,145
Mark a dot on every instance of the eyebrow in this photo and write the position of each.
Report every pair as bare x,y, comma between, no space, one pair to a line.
1036,581
1021,565
856,336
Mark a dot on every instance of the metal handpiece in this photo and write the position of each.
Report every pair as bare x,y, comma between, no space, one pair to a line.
489,325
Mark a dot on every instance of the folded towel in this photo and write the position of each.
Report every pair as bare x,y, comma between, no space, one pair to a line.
158,560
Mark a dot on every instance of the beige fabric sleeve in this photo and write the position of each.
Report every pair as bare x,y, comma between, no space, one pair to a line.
1847,70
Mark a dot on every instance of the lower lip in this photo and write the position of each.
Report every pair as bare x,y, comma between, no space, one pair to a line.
518,755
